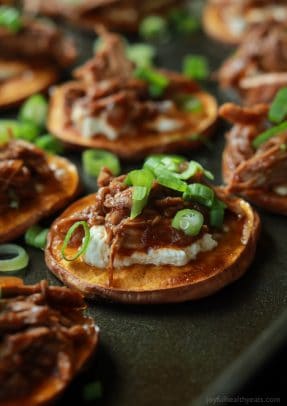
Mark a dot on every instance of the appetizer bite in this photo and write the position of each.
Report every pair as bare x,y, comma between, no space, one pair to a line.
228,20
32,54
255,156
130,111
156,235
33,185
45,341
122,15
258,69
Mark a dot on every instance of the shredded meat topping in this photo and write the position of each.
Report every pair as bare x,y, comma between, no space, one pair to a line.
258,68
23,167
264,168
118,100
40,40
42,330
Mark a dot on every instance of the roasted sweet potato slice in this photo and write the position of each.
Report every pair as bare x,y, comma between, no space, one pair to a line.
201,277
215,26
14,222
139,145
45,341
28,78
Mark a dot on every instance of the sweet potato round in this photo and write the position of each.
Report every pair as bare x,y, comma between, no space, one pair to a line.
34,79
15,222
210,272
140,145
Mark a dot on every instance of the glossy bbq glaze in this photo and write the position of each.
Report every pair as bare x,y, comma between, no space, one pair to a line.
108,107
259,174
206,273
32,185
45,341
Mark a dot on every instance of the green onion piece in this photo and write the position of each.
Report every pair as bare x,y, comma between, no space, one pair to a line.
169,180
157,81
153,27
183,22
4,138
266,135
196,67
10,18
95,159
192,105
141,180
199,193
35,110
170,162
193,169
216,214
36,236
278,108
92,391
19,261
68,237
24,131
141,54
50,144
189,221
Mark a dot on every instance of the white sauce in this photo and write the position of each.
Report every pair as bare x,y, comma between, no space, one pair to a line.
281,190
98,252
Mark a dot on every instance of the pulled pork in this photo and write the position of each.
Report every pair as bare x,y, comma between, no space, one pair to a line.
43,334
244,167
40,40
23,168
259,67
116,99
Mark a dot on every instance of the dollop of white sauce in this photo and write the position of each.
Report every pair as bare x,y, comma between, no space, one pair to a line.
98,252
281,190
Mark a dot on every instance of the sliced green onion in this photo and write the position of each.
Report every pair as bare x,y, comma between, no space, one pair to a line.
141,54
157,81
192,105
278,108
50,144
153,27
68,237
266,135
10,18
216,214
36,236
169,180
92,391
24,131
35,110
4,138
193,169
189,221
19,261
141,180
183,22
96,159
199,193
196,67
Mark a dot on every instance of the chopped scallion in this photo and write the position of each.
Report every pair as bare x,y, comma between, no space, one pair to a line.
96,159
266,135
157,81
199,193
141,180
85,241
18,261
153,27
35,110
36,236
189,221
50,144
196,67
278,108
10,18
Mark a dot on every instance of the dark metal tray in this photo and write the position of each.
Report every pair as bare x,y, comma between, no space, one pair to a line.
187,353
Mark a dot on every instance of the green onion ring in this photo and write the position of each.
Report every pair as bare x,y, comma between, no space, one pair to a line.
189,221
16,263
68,237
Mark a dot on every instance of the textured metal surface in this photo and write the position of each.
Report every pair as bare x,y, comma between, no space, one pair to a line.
166,355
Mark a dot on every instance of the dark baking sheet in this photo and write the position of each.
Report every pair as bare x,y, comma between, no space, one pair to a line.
187,353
